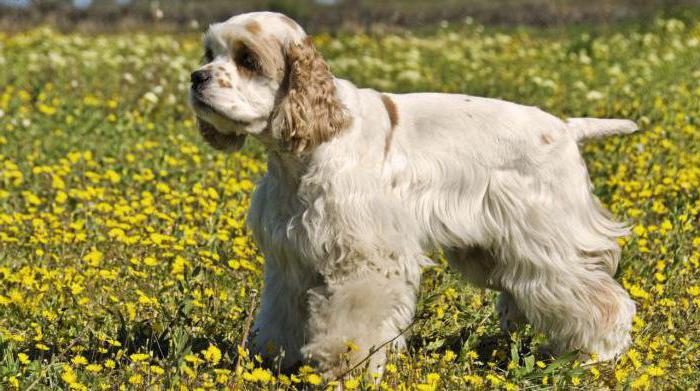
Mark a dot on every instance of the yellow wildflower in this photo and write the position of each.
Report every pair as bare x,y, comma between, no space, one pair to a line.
212,354
313,379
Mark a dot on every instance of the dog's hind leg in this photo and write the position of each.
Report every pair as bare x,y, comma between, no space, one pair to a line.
564,292
576,309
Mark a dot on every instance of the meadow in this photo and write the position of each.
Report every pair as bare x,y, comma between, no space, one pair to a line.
124,258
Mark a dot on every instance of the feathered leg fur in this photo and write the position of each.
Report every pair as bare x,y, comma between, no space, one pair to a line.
358,319
556,275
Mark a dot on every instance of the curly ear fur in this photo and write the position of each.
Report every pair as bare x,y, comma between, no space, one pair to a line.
310,113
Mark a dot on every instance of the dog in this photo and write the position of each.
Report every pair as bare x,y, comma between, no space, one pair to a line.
362,184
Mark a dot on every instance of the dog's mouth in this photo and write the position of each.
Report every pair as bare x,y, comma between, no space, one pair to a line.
223,142
204,109
210,122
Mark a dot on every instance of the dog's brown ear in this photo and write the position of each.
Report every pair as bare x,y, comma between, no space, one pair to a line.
309,113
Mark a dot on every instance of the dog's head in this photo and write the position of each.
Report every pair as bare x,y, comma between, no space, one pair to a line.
264,77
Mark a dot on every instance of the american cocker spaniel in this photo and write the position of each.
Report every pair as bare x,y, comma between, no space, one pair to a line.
361,184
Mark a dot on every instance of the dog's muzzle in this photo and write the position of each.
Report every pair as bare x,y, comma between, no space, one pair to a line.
199,79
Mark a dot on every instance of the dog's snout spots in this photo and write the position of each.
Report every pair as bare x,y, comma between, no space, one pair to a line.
253,27
200,77
223,83
546,138
222,76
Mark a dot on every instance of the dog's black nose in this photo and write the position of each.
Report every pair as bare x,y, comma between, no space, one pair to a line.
199,77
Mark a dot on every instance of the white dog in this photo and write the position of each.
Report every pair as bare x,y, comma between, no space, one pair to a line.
361,184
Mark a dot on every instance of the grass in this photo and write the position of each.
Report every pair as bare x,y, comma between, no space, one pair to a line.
125,263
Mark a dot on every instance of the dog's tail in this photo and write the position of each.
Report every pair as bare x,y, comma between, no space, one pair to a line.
585,128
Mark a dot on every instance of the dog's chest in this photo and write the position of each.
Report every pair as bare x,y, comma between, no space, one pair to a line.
275,219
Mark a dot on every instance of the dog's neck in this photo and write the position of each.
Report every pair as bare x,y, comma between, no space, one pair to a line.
286,167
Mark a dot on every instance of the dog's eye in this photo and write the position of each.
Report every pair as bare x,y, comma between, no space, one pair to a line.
246,59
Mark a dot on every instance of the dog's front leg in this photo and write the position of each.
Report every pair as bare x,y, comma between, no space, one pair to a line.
354,321
278,332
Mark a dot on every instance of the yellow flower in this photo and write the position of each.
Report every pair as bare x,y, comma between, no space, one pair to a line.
641,382
637,291
351,384
94,368
136,379
57,183
433,378
655,371
179,265
48,110
79,360
212,354
667,225
474,380
352,347
258,375
31,198
136,357
23,358
68,375
634,357
284,380
93,258
313,379
494,379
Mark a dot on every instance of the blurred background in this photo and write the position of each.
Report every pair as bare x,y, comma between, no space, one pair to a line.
334,15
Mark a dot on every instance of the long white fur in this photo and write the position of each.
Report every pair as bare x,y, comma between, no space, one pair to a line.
500,187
